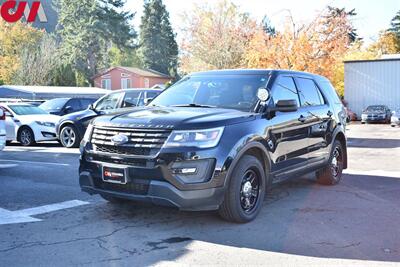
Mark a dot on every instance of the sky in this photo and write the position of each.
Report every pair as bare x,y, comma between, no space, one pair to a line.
372,15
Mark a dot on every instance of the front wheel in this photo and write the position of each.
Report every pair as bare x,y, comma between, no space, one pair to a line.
332,173
69,137
26,137
245,193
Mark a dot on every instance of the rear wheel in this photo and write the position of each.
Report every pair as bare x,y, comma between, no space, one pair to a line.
26,136
245,193
332,173
69,136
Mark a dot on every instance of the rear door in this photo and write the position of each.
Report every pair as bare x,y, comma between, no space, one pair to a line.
289,131
319,118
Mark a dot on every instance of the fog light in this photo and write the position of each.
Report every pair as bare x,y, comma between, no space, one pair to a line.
185,171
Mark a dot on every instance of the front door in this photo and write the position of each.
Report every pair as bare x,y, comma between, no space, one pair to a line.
289,131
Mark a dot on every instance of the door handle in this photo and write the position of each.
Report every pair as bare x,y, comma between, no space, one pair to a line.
302,118
330,113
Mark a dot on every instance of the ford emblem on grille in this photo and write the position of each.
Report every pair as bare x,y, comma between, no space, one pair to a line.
119,139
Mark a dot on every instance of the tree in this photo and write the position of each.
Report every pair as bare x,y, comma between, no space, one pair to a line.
126,57
395,25
335,12
267,26
14,38
87,29
388,43
38,62
216,37
158,49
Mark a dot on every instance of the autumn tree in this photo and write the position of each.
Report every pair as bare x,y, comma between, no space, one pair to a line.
14,38
314,47
215,36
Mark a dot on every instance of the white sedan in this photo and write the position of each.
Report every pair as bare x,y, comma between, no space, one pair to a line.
2,129
28,124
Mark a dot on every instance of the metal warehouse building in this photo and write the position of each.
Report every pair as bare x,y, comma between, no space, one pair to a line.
372,82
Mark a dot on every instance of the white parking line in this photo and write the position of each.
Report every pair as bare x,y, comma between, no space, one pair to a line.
34,162
394,174
24,216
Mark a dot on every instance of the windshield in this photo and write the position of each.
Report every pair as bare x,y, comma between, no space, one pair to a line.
376,109
27,110
54,104
222,91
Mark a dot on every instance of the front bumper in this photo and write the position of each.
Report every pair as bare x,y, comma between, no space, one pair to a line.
44,133
373,119
159,180
156,192
395,121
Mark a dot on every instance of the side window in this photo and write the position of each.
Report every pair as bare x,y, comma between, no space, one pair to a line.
75,105
284,89
309,93
131,99
86,102
109,102
151,95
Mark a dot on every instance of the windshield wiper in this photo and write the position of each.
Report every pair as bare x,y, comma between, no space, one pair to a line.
193,105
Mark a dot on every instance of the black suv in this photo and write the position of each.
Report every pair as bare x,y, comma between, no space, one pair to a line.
218,140
72,127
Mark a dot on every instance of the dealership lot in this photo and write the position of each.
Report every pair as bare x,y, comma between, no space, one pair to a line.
46,220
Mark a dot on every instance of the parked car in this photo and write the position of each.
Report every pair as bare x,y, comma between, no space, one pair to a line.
28,124
376,113
218,140
2,129
64,106
395,119
72,127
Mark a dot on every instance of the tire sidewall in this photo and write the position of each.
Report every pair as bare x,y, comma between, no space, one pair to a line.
245,163
29,130
76,142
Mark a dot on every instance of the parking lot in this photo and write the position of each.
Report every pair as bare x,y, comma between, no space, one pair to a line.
46,220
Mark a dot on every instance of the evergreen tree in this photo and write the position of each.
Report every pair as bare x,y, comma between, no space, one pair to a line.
158,49
87,29
268,27
339,12
395,25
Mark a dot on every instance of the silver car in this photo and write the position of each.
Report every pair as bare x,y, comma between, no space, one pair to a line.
395,120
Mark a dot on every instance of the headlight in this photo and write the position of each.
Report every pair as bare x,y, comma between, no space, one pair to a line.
88,133
195,138
46,124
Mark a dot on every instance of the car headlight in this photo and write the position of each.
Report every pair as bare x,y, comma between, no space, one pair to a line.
46,124
88,133
195,138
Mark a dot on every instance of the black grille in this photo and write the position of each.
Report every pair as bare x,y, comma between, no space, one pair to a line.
145,142
129,188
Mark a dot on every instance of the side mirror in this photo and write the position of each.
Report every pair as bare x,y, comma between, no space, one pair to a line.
147,101
285,106
91,107
68,109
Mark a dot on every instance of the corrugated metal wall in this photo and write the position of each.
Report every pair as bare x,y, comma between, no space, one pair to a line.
372,83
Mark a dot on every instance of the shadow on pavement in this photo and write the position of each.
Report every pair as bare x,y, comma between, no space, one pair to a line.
357,219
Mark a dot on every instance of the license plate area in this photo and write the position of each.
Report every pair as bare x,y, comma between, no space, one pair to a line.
114,175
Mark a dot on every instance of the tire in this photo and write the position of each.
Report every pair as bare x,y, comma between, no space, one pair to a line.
245,192
26,136
69,137
393,125
332,173
114,200
363,122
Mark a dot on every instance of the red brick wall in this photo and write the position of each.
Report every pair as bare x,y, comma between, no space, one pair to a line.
137,81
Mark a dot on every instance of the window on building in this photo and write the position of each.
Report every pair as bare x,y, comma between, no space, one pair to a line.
125,83
309,93
106,84
146,83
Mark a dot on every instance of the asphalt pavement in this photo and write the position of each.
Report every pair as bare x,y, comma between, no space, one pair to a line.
45,220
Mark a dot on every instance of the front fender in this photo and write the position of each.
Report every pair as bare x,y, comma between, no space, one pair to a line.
245,144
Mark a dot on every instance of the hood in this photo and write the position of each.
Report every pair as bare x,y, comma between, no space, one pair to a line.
181,118
87,113
26,119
